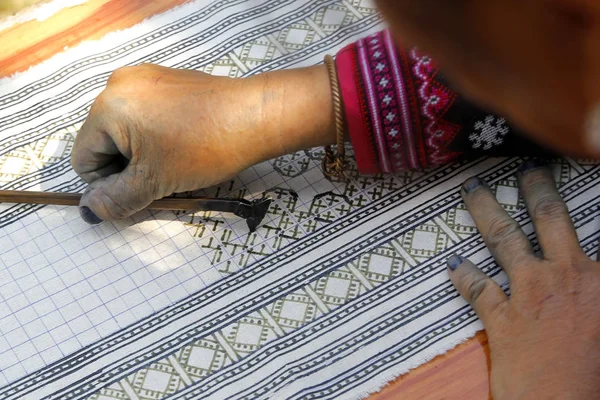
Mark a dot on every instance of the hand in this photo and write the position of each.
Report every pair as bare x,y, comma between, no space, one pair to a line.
156,131
545,338
525,59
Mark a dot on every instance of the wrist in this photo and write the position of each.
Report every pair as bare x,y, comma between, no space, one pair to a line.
297,110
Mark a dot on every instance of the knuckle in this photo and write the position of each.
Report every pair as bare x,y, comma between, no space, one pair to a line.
121,73
87,176
502,230
146,67
99,103
538,179
572,275
105,104
475,288
75,160
548,207
77,166
527,280
129,72
116,76
113,209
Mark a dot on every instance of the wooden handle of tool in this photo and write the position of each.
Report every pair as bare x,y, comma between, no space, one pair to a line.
72,199
59,199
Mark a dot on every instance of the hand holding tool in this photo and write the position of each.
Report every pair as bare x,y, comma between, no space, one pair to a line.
252,211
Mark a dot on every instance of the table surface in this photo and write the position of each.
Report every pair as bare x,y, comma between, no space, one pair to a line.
461,373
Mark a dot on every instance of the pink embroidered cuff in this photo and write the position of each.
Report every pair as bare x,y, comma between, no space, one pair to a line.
395,106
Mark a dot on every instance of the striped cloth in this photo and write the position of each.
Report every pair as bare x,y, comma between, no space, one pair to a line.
343,288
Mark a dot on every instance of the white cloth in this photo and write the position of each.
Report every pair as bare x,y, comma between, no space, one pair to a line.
343,288
38,10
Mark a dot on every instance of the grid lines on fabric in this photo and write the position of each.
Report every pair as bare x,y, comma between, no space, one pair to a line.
498,188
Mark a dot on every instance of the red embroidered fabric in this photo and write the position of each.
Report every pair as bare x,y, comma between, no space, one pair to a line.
395,106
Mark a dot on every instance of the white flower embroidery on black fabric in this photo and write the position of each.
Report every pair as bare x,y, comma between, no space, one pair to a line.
489,133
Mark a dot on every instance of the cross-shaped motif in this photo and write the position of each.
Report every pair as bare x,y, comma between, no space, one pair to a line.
350,190
294,233
360,200
232,248
205,224
275,209
286,222
316,206
289,169
289,203
310,225
366,181
376,192
327,216
343,208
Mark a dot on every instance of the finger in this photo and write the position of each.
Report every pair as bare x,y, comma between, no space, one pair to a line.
94,149
553,225
116,197
502,234
114,167
95,153
484,295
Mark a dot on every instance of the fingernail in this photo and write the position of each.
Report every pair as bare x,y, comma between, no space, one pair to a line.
88,216
455,262
472,184
592,128
530,165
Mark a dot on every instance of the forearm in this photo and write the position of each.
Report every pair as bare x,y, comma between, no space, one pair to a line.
394,125
295,108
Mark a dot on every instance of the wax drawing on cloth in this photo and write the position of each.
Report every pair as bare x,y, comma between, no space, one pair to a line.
341,288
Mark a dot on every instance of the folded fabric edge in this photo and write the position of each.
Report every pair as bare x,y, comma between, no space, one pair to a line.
376,385
71,54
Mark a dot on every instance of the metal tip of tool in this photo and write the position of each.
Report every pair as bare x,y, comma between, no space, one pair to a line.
259,210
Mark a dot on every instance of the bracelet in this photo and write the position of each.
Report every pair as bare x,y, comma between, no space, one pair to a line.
334,165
